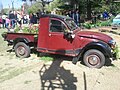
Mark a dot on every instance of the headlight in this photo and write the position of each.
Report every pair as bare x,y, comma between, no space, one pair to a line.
112,43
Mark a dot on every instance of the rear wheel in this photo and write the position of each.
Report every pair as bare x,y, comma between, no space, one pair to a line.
22,50
94,58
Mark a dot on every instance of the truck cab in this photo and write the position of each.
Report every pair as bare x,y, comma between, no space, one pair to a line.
60,35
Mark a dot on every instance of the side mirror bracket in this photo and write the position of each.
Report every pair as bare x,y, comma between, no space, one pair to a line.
69,34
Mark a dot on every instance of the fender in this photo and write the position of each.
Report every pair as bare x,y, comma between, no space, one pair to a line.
21,40
100,45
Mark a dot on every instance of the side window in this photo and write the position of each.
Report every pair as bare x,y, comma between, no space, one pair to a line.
57,26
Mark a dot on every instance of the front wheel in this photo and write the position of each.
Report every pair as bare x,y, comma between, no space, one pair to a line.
22,50
94,58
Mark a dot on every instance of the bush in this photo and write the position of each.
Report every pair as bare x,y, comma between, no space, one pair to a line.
31,29
98,24
87,25
117,52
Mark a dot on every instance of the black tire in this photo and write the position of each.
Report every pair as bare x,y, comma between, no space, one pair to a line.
94,58
22,50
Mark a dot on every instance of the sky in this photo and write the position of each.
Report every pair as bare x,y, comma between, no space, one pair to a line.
8,3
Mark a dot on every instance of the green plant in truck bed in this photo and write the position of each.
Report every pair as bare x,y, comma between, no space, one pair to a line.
27,29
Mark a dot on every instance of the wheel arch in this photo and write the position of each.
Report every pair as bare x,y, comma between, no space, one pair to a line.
26,41
101,46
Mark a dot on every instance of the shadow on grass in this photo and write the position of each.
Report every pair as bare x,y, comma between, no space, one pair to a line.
10,50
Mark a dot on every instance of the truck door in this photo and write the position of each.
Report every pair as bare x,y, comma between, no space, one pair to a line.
57,43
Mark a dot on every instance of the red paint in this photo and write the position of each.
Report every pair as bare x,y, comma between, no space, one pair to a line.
55,42
13,36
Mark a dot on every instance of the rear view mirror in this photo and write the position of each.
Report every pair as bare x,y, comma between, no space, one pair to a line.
68,31
69,34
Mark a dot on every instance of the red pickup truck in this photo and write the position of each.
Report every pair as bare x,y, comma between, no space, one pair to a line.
60,35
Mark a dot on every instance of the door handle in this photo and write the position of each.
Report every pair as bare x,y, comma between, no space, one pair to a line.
50,35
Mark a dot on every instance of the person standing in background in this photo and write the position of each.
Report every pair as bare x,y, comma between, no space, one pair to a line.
73,14
25,21
3,20
15,14
0,21
19,20
7,23
77,19
105,15
12,19
94,17
70,13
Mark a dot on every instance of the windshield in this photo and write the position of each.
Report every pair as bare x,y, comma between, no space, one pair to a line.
71,24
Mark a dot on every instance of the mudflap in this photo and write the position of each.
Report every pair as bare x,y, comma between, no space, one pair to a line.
75,60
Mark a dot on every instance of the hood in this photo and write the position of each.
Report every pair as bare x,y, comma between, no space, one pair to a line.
94,35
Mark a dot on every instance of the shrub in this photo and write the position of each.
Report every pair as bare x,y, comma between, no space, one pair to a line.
117,52
98,24
31,29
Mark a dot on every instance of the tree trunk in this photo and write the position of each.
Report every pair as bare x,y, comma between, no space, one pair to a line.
88,10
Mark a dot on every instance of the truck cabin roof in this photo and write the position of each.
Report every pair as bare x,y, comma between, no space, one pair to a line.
55,16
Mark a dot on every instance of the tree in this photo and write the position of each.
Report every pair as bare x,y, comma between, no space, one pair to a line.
29,0
5,11
34,8
84,6
54,5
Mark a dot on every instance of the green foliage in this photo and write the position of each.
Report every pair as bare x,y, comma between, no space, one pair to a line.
96,5
26,30
98,24
5,11
47,58
117,52
87,25
33,29
34,8
54,5
17,29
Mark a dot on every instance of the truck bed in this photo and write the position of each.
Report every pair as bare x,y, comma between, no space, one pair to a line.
10,37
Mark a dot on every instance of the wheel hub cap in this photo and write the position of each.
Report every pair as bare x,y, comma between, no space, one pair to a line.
93,59
21,50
